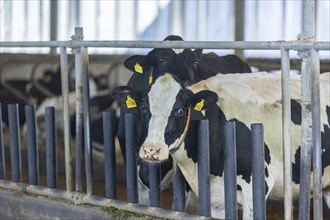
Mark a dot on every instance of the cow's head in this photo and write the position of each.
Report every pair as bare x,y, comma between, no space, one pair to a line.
166,111
181,63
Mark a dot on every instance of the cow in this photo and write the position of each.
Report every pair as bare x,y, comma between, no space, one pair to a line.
171,111
189,66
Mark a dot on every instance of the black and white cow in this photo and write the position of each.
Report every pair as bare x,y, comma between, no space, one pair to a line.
171,110
188,66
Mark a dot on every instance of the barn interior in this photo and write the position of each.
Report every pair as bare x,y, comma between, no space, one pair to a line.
28,74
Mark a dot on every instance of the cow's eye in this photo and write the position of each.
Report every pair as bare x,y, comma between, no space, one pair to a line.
180,112
196,64
160,60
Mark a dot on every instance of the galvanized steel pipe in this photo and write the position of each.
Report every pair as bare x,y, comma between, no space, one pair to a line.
317,148
247,45
66,119
80,160
87,122
286,134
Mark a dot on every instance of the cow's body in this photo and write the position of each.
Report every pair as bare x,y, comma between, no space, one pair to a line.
246,99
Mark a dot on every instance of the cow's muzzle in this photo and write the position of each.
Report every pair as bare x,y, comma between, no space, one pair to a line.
152,153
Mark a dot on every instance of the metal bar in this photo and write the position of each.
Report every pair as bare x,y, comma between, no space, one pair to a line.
286,134
154,185
239,11
66,119
2,149
15,143
76,197
131,163
87,122
230,170
204,195
306,143
258,171
32,144
53,23
248,45
317,149
308,31
51,163
179,199
80,160
109,155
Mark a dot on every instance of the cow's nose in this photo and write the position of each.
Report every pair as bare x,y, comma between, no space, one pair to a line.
150,152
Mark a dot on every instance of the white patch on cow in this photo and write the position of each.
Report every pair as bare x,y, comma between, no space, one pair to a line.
162,97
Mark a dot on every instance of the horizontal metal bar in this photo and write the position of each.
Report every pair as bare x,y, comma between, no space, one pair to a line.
83,198
251,45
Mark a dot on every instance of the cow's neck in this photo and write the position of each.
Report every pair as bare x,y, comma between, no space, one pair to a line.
187,166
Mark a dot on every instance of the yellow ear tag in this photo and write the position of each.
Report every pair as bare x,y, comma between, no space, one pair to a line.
130,102
138,68
150,79
199,105
48,78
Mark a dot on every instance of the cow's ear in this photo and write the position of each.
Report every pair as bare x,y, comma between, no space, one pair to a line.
127,96
203,100
198,53
137,63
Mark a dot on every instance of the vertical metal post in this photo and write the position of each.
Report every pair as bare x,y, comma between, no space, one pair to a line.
286,134
53,23
87,123
239,12
66,119
230,170
317,149
80,160
179,199
258,171
204,195
15,143
2,149
51,148
154,183
131,162
306,143
32,144
109,155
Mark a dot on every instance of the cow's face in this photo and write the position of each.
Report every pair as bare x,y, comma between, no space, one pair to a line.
168,105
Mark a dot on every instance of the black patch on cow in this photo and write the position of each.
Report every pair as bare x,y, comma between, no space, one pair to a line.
266,172
177,120
325,146
266,187
295,112
239,188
